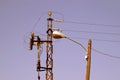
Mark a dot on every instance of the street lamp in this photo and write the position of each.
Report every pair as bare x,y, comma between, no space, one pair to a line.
59,35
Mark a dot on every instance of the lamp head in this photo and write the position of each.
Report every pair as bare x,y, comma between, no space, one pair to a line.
58,35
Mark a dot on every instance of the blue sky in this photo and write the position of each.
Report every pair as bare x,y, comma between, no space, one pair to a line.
18,18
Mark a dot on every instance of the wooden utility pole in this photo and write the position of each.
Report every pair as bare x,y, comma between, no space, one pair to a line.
88,60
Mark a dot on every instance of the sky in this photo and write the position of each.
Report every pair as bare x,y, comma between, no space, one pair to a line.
97,20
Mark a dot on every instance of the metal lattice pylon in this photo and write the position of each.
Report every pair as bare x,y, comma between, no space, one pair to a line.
49,49
35,40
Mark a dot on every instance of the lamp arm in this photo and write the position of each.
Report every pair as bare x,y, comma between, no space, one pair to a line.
76,42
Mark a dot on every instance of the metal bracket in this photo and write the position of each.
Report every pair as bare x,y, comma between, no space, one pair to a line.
43,68
36,39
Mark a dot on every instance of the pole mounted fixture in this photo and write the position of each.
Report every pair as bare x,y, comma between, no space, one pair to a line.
59,35
35,40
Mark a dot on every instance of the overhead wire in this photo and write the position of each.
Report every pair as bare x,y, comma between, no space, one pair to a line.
105,25
98,39
94,32
103,53
106,54
74,22
35,24
38,20
106,33
99,52
62,16
117,34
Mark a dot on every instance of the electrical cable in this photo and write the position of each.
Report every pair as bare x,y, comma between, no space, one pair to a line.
59,14
100,52
38,20
76,42
105,25
97,39
117,34
105,54
35,24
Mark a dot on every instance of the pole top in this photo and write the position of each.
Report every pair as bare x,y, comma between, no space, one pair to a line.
49,13
89,41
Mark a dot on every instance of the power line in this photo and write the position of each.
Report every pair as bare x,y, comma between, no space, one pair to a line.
98,39
35,24
106,33
62,15
105,54
100,52
105,25
93,32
